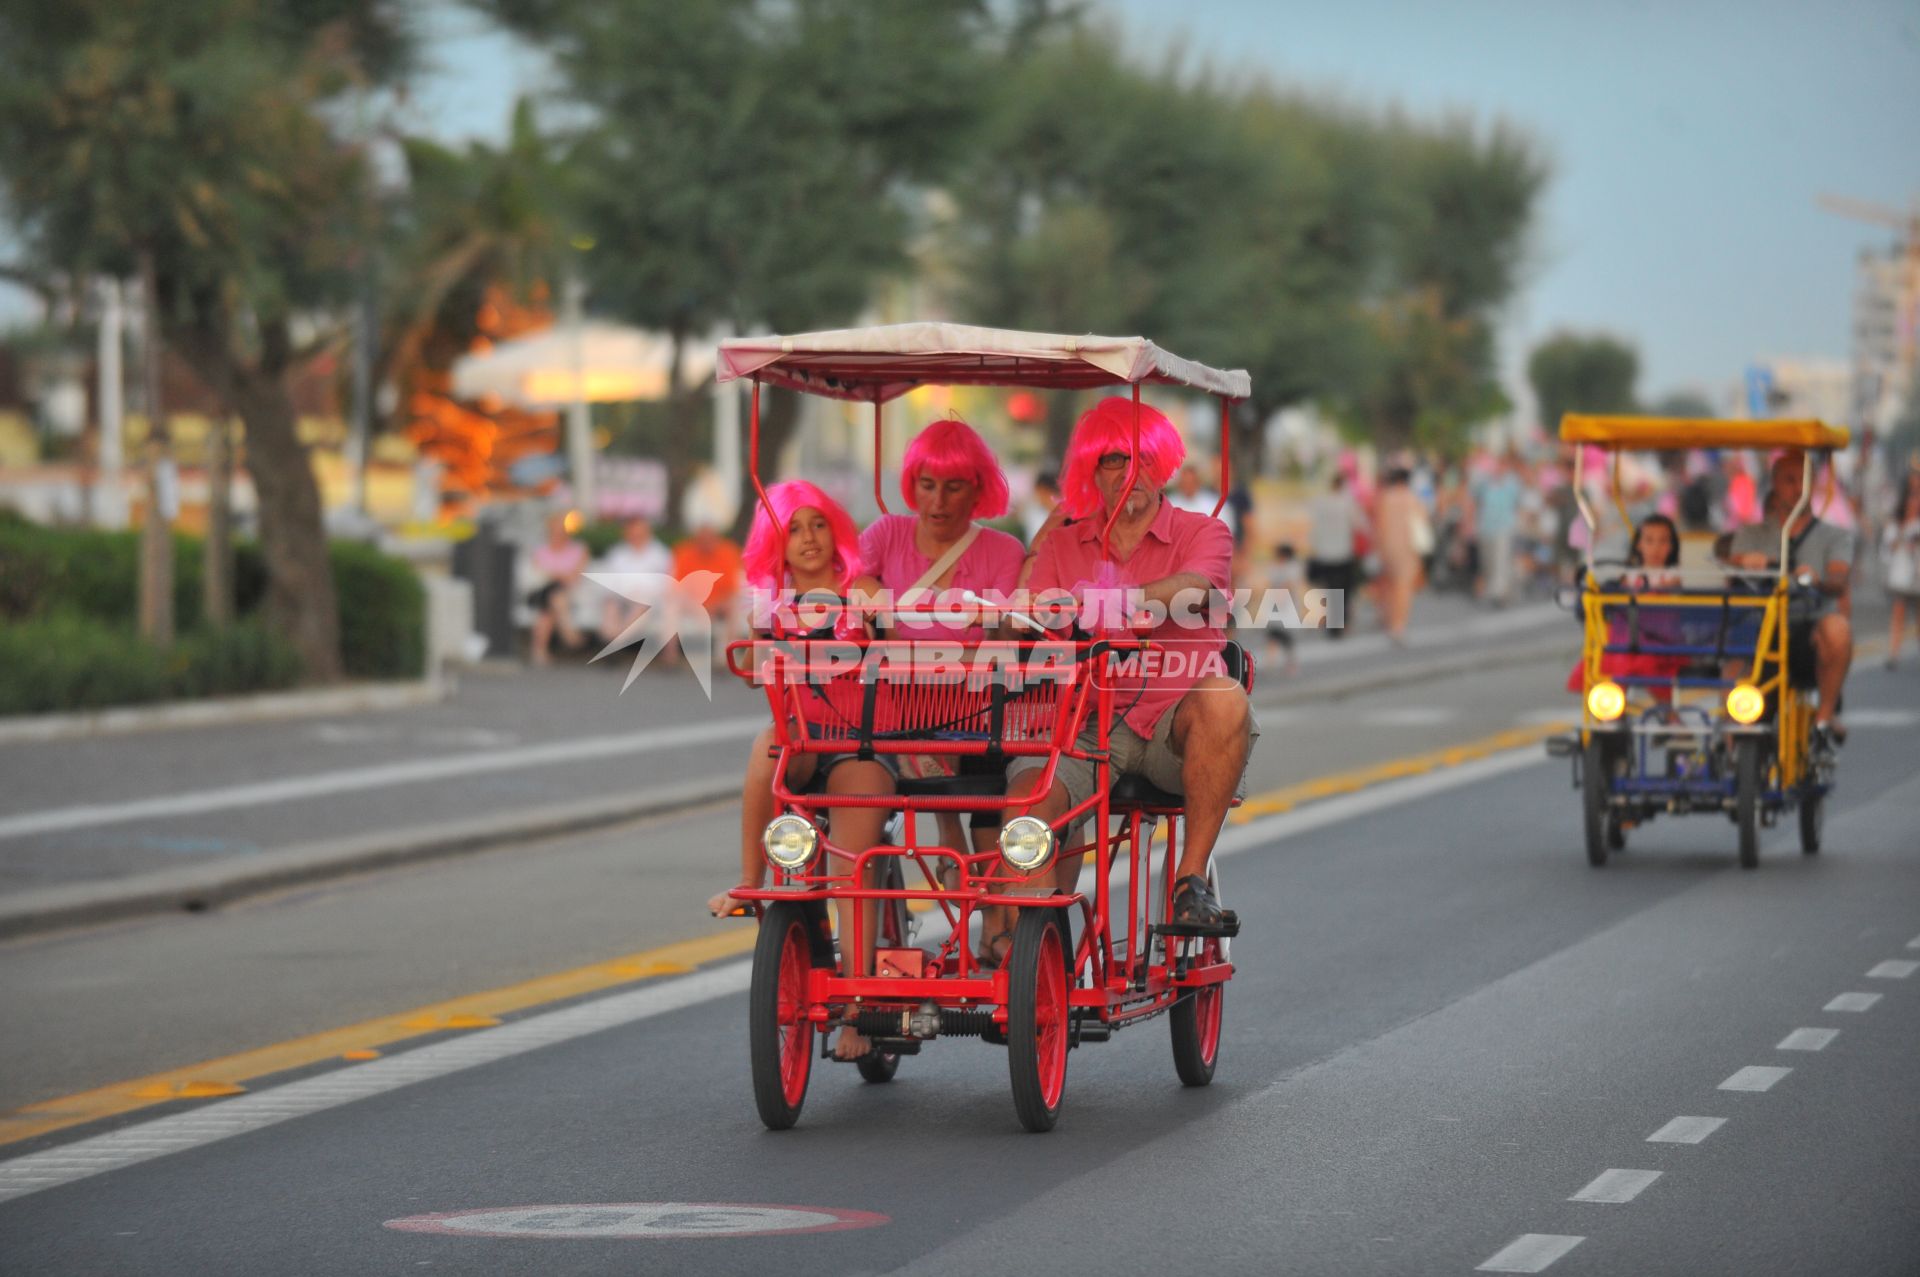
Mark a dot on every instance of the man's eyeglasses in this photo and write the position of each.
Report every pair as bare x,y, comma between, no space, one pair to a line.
1115,460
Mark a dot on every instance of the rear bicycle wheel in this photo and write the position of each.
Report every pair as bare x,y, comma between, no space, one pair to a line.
1813,819
780,1032
1196,1020
1038,1019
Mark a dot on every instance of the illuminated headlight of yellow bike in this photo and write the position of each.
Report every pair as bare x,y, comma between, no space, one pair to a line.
790,841
1606,701
1026,843
1745,703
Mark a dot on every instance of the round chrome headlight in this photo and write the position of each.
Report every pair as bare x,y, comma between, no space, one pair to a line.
790,841
1026,843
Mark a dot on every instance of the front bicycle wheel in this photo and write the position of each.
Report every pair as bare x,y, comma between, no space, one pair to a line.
780,1031
1038,1018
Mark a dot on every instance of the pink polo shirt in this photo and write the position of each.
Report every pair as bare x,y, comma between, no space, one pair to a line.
991,565
1176,541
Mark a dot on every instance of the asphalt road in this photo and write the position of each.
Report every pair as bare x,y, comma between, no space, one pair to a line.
1443,1028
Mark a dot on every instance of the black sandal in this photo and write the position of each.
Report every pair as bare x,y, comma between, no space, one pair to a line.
1195,905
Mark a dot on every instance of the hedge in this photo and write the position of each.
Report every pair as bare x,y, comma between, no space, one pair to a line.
69,601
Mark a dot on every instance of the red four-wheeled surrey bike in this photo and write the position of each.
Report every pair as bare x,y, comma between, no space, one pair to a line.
1081,964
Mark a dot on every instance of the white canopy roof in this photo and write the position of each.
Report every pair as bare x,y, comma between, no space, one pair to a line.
607,363
881,363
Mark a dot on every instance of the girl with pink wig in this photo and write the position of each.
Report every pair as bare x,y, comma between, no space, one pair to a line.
809,549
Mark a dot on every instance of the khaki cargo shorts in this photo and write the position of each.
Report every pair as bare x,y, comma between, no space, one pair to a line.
1130,753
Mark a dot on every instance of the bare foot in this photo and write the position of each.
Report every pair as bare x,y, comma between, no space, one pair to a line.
850,1045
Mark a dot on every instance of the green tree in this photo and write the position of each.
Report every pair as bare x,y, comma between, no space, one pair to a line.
191,142
1574,373
1682,403
753,164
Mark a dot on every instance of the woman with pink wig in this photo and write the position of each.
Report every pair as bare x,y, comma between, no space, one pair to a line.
809,550
932,558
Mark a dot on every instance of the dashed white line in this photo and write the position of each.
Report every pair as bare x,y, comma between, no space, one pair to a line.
1686,1130
1616,1186
1807,1040
1893,969
1852,1002
1755,1077
1530,1253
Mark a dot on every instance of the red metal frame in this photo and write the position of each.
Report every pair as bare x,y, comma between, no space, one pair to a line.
1116,976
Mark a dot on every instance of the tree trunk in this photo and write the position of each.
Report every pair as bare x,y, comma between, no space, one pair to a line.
216,573
156,538
300,601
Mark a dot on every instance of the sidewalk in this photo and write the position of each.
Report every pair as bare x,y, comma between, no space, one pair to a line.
514,754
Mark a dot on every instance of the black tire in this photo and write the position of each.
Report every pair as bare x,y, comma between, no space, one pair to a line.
1616,833
1746,799
1038,1019
878,1066
1197,1025
1813,820
1596,771
782,1053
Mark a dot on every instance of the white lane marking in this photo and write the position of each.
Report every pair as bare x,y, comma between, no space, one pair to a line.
1893,969
222,1118
1914,943
1895,718
1807,1040
677,1220
1615,1186
1852,1002
217,1121
1755,1077
383,775
1686,1130
1530,1253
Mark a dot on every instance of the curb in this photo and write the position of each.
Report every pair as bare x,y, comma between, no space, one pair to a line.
195,888
222,711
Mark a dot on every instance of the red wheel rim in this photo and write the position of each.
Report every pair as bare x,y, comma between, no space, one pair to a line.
1206,1011
1051,1017
796,1026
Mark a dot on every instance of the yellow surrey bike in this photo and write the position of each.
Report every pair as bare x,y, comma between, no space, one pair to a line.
1689,700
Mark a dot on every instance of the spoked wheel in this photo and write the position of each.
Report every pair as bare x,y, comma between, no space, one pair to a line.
1746,799
1196,1022
1596,776
1038,1020
1813,819
780,1032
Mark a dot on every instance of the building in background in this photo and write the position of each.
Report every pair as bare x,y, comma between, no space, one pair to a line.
1886,334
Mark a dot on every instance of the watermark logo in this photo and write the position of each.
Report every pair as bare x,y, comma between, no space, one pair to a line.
672,609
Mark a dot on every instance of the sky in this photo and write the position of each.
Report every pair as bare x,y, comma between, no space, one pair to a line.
1689,140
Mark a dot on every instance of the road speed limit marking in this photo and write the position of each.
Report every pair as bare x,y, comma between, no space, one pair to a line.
657,1220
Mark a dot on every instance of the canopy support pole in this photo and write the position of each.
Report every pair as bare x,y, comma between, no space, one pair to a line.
753,456
1226,454
1133,471
1580,499
879,498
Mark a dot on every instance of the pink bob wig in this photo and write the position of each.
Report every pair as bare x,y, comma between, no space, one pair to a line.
765,558
950,449
1108,427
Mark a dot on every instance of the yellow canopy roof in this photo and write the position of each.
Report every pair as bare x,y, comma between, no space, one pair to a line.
1663,434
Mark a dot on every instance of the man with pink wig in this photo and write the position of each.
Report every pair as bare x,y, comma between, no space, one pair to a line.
1185,726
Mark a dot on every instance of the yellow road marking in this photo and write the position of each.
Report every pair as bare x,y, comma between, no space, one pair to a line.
1288,797
226,1075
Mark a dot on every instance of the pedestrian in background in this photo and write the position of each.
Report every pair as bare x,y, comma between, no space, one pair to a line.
1335,524
1497,501
1287,575
1400,528
1039,504
637,553
707,551
1900,562
557,563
